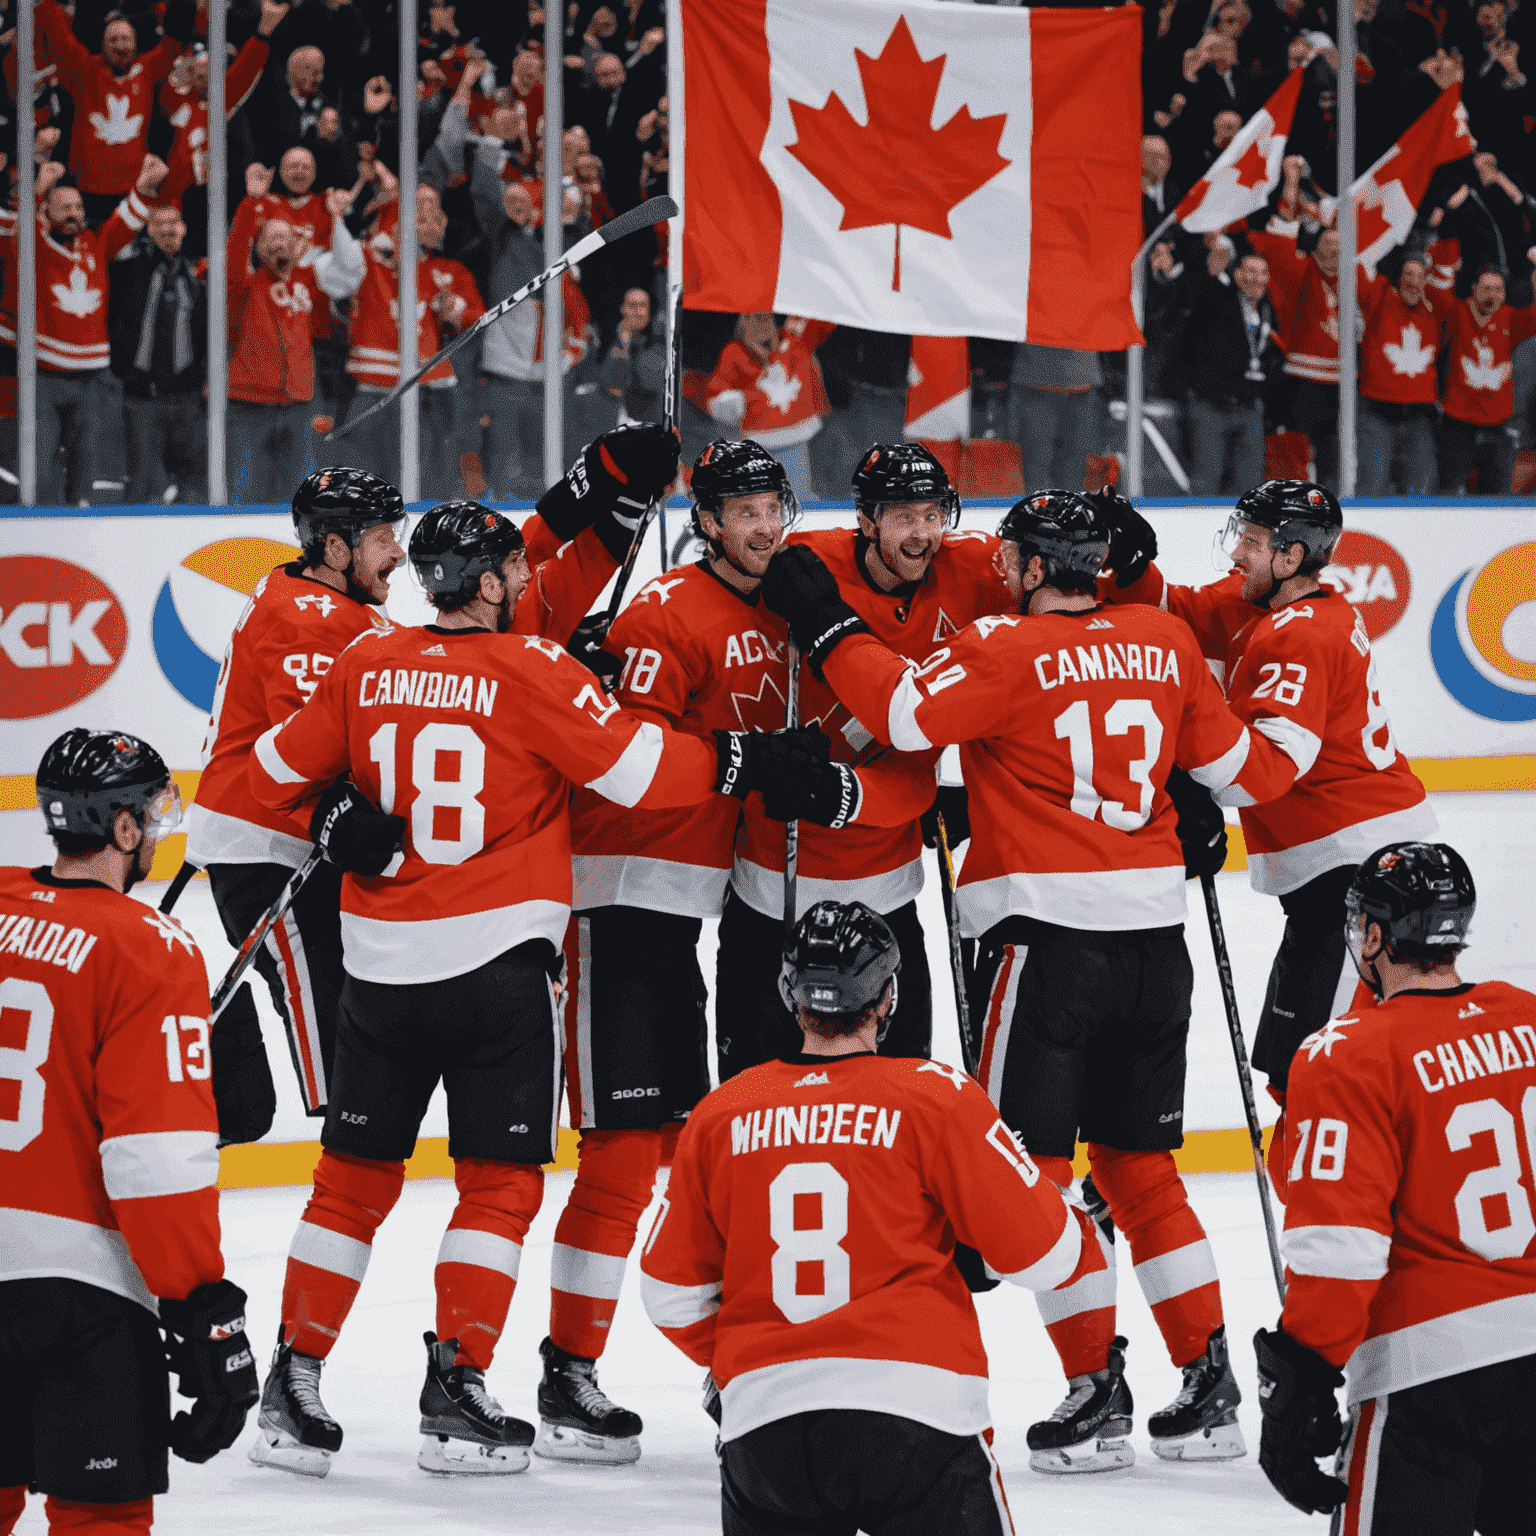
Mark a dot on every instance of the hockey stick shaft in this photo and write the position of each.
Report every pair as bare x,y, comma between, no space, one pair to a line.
792,827
648,213
177,886
968,1052
268,920
1244,1075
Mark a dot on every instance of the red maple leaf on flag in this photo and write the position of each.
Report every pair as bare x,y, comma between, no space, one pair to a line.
897,169
1250,167
1370,225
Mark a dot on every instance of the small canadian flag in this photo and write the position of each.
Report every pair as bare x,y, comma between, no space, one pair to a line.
1248,169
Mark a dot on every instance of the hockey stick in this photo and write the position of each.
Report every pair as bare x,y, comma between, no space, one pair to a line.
648,213
969,1056
177,885
1244,1076
792,827
269,919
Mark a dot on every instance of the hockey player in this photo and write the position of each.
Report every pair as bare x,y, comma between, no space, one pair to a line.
913,582
108,1161
1410,1239
1069,719
698,653
805,1257
1296,663
300,618
468,738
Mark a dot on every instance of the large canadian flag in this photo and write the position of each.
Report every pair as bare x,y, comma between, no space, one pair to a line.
939,389
938,169
1248,170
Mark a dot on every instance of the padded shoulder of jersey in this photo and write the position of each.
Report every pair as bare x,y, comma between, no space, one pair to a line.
1325,620
676,600
1356,1046
285,604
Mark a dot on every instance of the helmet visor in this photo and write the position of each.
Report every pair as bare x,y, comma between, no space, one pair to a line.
162,811
1240,534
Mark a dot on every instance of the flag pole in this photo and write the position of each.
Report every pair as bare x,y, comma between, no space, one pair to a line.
1347,242
676,131
554,245
1135,357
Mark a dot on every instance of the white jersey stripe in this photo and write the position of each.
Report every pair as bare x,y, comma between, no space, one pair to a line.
678,1306
271,759
1339,1253
626,782
1296,741
1089,1294
1047,1273
159,1163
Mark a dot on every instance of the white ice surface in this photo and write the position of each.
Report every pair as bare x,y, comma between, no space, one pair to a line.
376,1369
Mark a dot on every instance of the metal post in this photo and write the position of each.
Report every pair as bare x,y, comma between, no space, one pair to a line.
1134,393
406,256
26,265
675,130
218,270
1346,226
554,248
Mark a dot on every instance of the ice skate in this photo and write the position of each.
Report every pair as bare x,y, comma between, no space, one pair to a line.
1089,1431
295,1433
577,1420
1200,1424
465,1429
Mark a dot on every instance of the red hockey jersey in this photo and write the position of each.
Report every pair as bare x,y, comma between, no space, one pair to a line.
188,114
108,1136
1410,1235
780,402
698,656
1068,725
291,632
476,739
374,358
1479,377
877,859
1305,676
1306,304
71,288
804,1252
1397,357
112,113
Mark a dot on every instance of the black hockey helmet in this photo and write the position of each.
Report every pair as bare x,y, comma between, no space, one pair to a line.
727,468
1295,512
1069,532
86,777
1421,894
453,544
838,961
892,473
342,500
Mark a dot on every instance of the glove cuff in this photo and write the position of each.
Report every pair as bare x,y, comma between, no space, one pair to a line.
829,627
733,777
216,1309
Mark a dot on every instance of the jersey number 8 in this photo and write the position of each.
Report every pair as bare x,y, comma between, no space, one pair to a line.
808,1219
447,818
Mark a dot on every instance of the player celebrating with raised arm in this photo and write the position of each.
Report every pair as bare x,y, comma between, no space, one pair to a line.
300,618
805,1256
912,582
1069,719
467,738
108,1163
1296,663
1411,1255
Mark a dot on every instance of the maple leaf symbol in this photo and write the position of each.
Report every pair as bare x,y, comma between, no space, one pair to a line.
1250,167
1370,225
781,390
117,127
897,169
170,929
1412,355
1324,1039
1483,374
760,711
79,298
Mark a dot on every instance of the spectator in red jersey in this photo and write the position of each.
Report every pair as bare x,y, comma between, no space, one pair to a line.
589,182
1398,383
271,357
114,96
77,398
528,85
1477,428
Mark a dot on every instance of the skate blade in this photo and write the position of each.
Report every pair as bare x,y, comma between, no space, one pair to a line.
273,1448
1091,1455
560,1442
1217,1442
467,1458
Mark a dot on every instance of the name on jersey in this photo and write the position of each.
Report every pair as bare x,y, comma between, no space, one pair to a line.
34,938
815,1125
1458,1062
428,690
1147,663
750,646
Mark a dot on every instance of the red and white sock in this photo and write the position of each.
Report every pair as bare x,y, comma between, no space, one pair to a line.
79,1519
1080,1317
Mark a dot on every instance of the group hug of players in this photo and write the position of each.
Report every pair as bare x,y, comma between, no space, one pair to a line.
525,821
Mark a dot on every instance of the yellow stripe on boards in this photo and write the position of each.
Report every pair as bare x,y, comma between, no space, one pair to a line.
1202,1152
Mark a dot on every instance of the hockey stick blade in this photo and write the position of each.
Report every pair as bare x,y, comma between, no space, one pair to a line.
653,211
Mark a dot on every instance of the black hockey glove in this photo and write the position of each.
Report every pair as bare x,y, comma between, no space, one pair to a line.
352,834
826,793
1132,542
753,759
614,479
711,1404
954,805
1301,1421
973,1270
205,1345
242,1080
586,645
1202,827
804,593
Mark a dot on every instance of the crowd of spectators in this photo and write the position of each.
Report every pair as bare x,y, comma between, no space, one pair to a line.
1241,366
